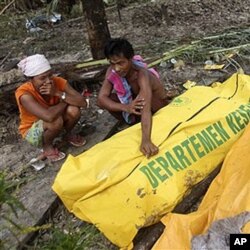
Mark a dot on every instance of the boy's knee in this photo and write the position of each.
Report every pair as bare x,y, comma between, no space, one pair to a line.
114,97
99,103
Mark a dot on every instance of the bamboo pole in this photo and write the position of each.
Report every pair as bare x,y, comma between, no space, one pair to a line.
229,49
6,7
92,63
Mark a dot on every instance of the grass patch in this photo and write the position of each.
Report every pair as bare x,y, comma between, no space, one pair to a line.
68,232
85,237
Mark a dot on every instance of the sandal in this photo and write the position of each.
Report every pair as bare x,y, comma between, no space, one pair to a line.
76,140
54,155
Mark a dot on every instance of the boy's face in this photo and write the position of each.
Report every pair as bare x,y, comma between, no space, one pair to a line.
120,64
42,80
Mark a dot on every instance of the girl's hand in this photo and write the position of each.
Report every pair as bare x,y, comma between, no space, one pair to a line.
47,89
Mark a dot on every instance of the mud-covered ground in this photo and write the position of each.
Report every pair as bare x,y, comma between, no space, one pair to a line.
153,28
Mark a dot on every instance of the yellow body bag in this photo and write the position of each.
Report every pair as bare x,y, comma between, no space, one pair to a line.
115,187
227,196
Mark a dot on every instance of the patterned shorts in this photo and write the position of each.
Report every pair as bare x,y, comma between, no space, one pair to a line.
35,134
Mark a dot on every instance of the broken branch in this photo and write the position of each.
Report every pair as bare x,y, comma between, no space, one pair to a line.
6,7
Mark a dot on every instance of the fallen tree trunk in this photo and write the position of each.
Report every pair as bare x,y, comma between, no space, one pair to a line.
10,80
73,72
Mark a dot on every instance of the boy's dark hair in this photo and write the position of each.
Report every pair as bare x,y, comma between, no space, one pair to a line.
117,47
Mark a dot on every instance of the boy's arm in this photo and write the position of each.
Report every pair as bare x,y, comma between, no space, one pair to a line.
147,147
104,100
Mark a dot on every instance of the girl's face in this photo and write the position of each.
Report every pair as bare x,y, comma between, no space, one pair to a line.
120,64
42,79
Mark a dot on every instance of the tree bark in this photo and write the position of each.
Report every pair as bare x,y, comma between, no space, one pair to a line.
65,6
98,31
28,4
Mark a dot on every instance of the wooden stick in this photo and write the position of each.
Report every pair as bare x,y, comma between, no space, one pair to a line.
6,7
5,58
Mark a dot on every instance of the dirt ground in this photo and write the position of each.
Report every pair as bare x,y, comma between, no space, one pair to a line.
153,28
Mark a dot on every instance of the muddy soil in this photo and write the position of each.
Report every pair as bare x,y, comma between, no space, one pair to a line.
153,28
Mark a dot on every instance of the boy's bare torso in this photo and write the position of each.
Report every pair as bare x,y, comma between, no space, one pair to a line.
159,94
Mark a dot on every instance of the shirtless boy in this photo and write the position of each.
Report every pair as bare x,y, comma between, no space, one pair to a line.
138,91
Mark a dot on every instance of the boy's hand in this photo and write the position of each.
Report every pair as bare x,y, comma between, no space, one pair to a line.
136,106
148,149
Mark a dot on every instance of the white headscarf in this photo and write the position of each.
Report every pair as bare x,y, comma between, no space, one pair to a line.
34,65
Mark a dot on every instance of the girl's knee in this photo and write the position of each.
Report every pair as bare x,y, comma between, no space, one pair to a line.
55,125
73,112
